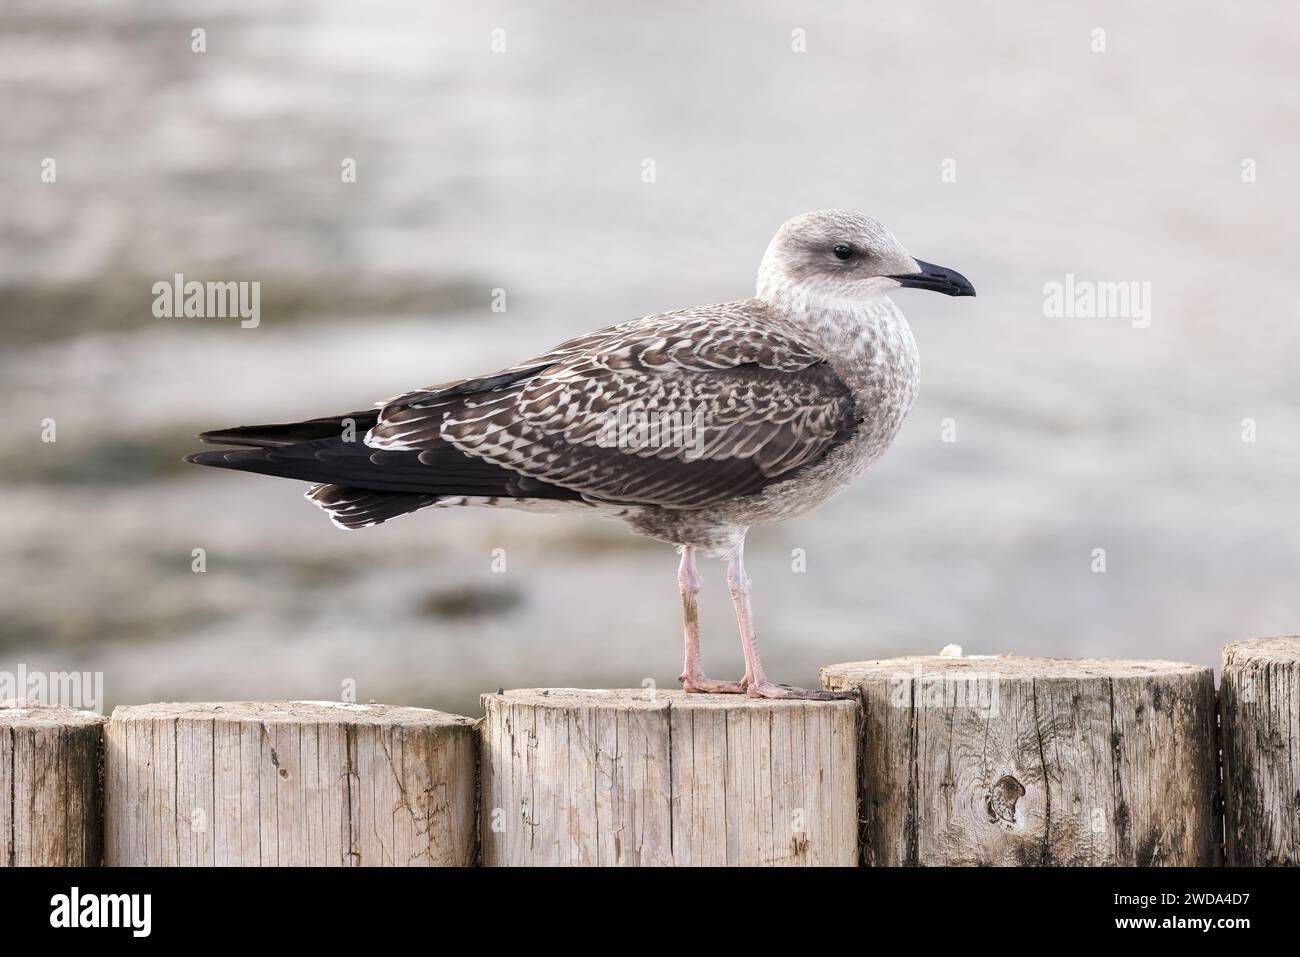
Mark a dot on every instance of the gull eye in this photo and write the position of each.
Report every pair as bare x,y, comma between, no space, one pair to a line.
842,251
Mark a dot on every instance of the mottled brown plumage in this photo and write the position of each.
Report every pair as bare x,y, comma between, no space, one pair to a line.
765,404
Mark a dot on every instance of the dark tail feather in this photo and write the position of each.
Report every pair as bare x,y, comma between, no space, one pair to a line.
350,507
360,486
347,506
291,433
445,471
349,466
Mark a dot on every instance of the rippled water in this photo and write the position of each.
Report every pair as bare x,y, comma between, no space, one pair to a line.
522,171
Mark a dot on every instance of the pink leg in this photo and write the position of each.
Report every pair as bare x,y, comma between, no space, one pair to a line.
756,682
692,677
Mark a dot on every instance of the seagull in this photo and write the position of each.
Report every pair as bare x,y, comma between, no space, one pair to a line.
690,426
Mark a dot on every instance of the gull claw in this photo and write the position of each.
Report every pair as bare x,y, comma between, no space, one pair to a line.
699,684
769,690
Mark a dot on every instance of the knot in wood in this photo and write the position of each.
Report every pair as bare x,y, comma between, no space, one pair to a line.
1002,798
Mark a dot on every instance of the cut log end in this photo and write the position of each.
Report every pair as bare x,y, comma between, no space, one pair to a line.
1008,760
637,777
851,674
1262,652
292,712
289,783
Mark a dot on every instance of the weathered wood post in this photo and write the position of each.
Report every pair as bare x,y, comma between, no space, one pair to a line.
661,777
1003,760
49,786
1259,702
289,783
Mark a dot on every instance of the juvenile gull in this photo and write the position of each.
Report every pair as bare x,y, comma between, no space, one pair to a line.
689,426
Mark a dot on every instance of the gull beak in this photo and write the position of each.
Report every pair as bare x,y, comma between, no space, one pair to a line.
938,278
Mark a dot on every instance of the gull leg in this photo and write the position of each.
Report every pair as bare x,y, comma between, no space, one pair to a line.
692,677
756,682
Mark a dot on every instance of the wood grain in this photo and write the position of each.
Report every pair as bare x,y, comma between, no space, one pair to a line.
50,786
1259,703
630,777
1035,761
289,783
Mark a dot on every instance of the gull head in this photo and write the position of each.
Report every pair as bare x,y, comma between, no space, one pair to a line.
840,255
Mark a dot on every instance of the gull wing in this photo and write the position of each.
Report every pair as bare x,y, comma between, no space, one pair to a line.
683,410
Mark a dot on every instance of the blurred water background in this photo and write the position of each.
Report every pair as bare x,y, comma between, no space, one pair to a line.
522,170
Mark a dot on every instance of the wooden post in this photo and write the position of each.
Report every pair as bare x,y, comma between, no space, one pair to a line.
49,786
289,783
1259,704
662,777
1001,760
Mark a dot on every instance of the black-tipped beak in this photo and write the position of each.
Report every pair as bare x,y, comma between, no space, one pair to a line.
938,278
